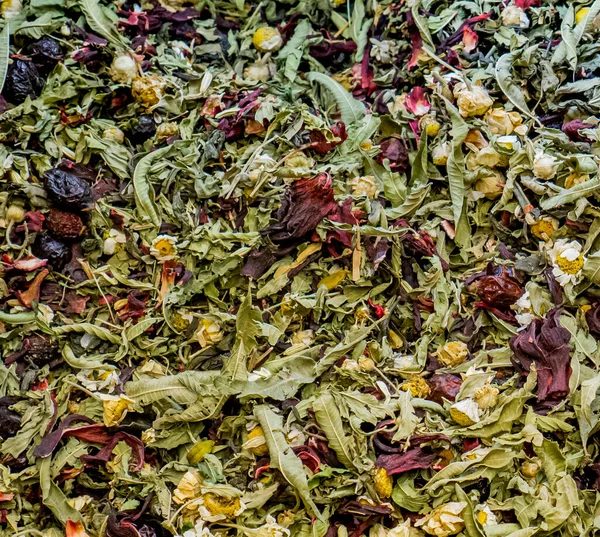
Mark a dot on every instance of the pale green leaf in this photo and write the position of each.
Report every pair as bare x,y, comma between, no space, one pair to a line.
4,53
282,456
329,419
351,109
100,22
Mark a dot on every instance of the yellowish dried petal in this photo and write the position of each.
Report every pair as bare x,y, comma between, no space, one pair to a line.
199,451
257,442
188,488
116,408
384,483
453,353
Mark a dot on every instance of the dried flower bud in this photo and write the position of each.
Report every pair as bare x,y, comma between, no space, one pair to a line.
530,469
267,39
486,396
123,69
383,483
502,122
544,166
472,102
440,153
453,353
148,90
365,186
15,213
166,130
114,134
366,364
492,185
544,227
444,520
430,125
417,386
514,16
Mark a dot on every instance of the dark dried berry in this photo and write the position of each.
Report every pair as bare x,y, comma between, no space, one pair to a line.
445,386
22,80
10,421
46,53
55,251
64,225
144,129
40,350
395,151
67,190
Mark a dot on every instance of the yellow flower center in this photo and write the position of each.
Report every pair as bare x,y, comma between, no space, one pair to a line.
543,228
164,247
482,517
570,267
219,505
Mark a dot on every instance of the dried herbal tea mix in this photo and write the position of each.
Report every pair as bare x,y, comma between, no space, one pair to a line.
317,268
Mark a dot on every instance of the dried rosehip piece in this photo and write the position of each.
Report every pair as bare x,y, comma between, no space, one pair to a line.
64,225
67,190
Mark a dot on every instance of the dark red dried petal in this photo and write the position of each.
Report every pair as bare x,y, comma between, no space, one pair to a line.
413,459
572,128
320,143
546,343
305,204
395,151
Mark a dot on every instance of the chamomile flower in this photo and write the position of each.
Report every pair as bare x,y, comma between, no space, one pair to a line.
384,51
524,313
214,507
208,333
485,516
465,412
567,261
113,242
164,248
365,186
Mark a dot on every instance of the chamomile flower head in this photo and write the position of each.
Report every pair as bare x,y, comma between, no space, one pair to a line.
164,248
567,261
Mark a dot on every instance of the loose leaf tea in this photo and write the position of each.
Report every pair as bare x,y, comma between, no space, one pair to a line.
286,269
